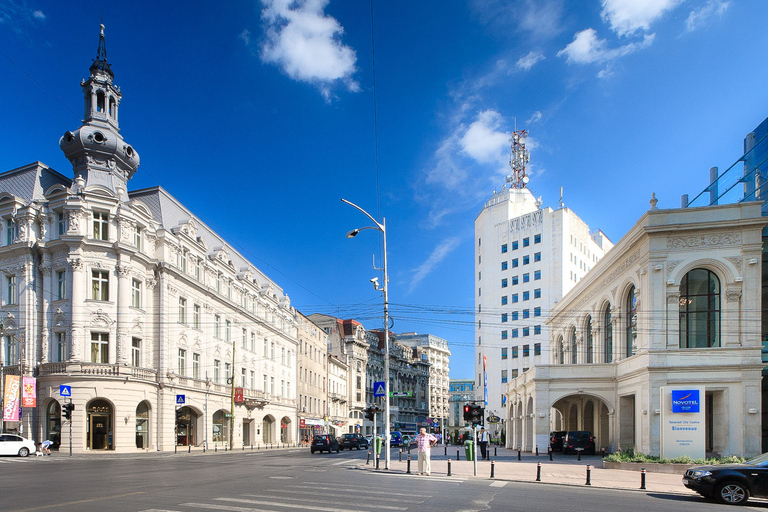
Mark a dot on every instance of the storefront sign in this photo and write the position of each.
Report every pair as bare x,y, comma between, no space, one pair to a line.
11,398
302,423
238,395
682,422
29,392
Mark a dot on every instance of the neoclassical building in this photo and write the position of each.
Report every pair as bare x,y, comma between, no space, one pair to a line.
677,302
150,317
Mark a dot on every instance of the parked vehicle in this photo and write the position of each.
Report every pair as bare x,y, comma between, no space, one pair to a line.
732,484
11,444
365,441
350,441
579,439
556,440
395,438
324,442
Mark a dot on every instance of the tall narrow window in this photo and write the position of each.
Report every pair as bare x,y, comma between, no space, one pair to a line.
608,338
182,310
99,347
699,309
574,348
60,348
198,269
228,331
588,336
100,226
137,238
196,316
12,290
61,285
227,372
10,231
100,285
195,366
136,352
245,339
182,361
136,293
183,261
61,223
631,309
216,371
217,326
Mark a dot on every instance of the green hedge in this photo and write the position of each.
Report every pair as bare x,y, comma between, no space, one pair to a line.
632,456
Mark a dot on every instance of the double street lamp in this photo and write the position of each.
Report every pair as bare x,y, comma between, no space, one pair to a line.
380,227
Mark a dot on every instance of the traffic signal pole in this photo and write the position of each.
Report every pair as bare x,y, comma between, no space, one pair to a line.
474,459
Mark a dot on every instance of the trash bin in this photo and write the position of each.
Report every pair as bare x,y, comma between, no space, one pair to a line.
377,443
469,450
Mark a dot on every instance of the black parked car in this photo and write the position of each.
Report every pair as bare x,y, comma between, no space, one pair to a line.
732,484
350,441
556,440
325,442
575,439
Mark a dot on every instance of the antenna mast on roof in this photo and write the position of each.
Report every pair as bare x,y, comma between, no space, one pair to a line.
518,159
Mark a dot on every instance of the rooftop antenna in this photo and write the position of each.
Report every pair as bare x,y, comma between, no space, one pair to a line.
560,202
518,158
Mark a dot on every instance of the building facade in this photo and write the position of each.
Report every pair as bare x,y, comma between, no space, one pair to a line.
150,317
676,303
462,392
338,398
312,378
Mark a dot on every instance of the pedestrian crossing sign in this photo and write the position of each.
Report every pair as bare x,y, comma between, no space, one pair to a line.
65,390
379,389
180,399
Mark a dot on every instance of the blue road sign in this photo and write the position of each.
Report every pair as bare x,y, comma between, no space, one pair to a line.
65,390
180,399
378,388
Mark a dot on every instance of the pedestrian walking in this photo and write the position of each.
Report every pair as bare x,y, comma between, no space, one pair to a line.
483,442
425,442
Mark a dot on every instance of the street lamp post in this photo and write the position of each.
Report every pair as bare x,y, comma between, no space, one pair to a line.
380,227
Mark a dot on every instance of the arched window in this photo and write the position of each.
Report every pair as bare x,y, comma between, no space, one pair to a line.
560,351
53,423
588,337
574,348
100,101
631,310
608,339
699,309
142,425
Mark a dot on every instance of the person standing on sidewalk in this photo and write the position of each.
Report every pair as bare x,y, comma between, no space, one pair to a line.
424,442
483,442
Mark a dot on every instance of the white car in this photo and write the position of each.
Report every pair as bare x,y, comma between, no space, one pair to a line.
11,444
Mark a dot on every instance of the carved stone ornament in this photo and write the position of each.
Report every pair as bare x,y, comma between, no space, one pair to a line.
150,282
73,222
736,261
101,319
172,290
672,264
123,270
45,269
673,297
719,239
733,295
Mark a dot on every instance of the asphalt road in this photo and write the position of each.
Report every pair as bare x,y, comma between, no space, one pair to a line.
288,481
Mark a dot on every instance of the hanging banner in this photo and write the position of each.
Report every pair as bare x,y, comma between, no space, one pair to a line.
29,392
485,380
11,408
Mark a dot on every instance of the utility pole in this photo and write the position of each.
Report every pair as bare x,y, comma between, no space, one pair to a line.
232,395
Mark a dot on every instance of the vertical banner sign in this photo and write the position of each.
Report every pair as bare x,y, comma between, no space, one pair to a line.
683,422
11,407
485,380
29,392
238,395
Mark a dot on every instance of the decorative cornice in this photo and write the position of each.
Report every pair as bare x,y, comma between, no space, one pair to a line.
718,239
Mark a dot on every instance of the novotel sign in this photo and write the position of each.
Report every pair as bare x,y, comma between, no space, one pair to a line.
686,400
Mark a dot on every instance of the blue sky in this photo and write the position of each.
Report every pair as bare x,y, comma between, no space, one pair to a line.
259,116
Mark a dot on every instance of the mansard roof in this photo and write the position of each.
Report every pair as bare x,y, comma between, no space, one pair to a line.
30,182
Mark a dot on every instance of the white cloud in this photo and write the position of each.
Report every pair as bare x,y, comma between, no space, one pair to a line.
540,19
701,17
535,117
628,16
443,249
38,15
306,44
482,140
527,61
587,48
245,35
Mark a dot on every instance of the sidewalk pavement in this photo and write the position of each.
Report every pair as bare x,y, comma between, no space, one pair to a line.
563,470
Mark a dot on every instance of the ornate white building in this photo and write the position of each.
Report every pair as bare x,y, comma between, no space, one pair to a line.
149,316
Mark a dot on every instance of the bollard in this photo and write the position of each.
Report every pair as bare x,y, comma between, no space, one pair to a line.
602,452
215,448
204,446
589,475
377,462
408,468
175,447
538,472
493,468
578,457
642,478
457,454
449,467
537,450
190,448
550,453
400,455
494,451
518,453
445,450
251,446
368,458
243,446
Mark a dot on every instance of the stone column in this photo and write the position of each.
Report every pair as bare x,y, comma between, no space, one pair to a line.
78,295
46,297
618,336
122,347
673,317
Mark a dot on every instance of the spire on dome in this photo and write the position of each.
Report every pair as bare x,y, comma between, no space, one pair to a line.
100,62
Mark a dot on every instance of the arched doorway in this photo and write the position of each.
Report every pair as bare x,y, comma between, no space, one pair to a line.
585,413
220,427
53,423
99,425
186,426
285,430
268,429
142,425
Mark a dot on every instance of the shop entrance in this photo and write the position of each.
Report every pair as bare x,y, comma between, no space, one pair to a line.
99,435
186,418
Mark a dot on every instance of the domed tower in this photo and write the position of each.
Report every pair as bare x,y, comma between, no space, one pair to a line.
96,150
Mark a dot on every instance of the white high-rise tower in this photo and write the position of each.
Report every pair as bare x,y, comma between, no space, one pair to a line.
526,258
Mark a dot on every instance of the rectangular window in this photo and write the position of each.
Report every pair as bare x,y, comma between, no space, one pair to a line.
61,222
526,295
229,331
136,352
218,283
479,276
515,263
536,257
195,366
182,361
537,239
504,283
479,292
503,352
265,352
196,316
253,342
12,290
227,372
243,373
99,347
514,298
99,285
514,335
10,232
100,226
526,351
503,317
526,331
503,376
198,269
229,289
60,350
515,280
183,262
537,349
264,384
504,335
272,351
253,379
515,314
526,313
526,242
61,285
526,277
217,326
503,300
536,311
514,245
536,329
136,293
271,385
537,275
216,371
514,373
514,352
503,248
503,265
526,260
245,339
537,293
182,310
137,238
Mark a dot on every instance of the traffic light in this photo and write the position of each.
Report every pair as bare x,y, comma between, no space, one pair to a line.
468,412
368,413
68,408
477,414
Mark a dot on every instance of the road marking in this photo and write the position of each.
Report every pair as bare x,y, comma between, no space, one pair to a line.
498,484
422,478
224,507
343,489
379,507
292,505
362,493
343,462
89,500
158,510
